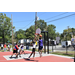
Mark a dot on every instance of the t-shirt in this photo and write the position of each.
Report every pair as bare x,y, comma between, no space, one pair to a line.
21,46
41,42
4,45
8,46
1,45
36,42
34,45
16,47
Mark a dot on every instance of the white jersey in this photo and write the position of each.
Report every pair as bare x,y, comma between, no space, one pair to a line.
1,45
34,45
22,47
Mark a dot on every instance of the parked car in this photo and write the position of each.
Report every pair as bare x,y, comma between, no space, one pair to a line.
66,43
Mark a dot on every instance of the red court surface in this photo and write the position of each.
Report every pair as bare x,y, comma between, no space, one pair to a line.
50,58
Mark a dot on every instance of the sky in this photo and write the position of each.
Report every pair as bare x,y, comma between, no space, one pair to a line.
23,20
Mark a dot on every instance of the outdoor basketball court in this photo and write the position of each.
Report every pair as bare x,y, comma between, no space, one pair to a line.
5,57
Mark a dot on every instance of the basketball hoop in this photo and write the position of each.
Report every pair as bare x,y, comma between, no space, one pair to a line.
38,31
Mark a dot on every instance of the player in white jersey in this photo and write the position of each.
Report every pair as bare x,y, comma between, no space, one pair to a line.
33,50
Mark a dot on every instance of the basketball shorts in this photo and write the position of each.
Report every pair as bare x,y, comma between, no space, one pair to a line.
40,47
33,50
15,51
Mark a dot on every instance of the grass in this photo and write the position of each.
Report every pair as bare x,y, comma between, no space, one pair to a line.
69,53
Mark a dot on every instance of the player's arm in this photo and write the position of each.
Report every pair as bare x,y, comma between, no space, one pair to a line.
38,38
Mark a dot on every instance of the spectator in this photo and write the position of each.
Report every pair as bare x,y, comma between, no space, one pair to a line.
4,47
8,47
1,46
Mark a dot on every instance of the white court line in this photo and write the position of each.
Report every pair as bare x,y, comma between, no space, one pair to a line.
54,55
36,55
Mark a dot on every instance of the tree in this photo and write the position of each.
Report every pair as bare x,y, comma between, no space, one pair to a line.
73,31
51,31
5,28
57,34
30,32
41,24
66,35
20,34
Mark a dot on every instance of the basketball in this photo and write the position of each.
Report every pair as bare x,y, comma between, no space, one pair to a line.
40,35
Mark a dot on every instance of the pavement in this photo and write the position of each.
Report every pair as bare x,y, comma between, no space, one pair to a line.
5,57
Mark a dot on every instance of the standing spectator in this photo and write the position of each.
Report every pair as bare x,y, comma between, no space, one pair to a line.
8,47
1,46
4,47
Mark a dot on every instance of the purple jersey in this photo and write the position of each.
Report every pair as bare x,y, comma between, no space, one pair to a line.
41,42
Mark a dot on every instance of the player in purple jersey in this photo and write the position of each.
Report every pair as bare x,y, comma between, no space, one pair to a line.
40,46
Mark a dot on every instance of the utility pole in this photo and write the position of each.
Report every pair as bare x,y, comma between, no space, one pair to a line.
35,20
35,23
12,29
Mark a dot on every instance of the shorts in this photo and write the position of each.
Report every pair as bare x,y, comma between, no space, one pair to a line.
40,47
33,50
15,51
1,47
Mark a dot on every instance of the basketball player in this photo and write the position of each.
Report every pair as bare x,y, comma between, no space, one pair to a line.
40,45
33,50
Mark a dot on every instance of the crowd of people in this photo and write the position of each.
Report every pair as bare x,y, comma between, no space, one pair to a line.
6,47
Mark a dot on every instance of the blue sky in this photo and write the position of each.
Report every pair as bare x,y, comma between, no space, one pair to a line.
23,20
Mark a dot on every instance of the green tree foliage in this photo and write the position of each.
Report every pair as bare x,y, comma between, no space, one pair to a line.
30,32
67,34
51,31
41,24
20,34
5,28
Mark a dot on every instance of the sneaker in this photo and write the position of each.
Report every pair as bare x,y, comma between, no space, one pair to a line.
19,56
34,57
11,57
28,58
40,56
16,56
